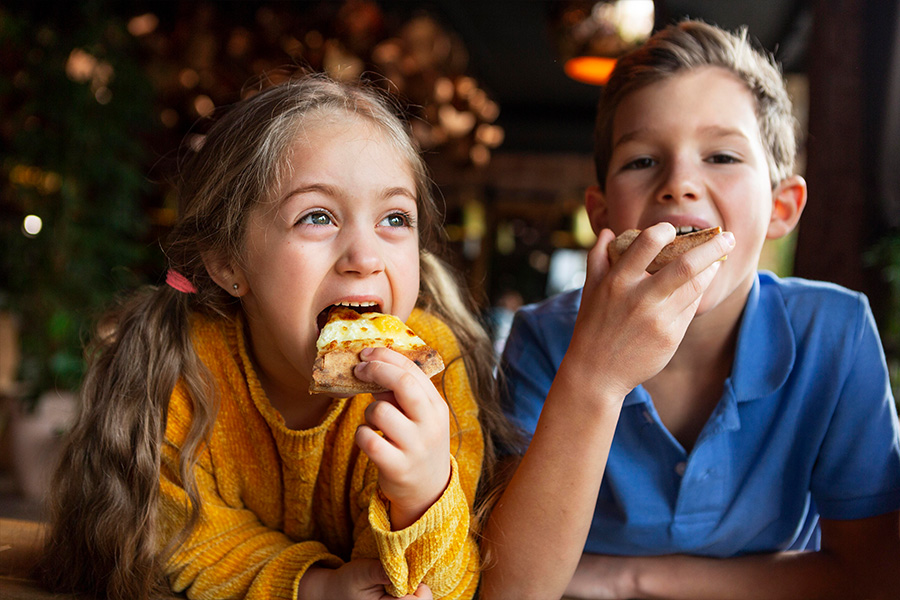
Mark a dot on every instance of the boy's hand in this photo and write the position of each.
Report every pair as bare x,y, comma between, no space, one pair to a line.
413,454
600,577
360,579
630,322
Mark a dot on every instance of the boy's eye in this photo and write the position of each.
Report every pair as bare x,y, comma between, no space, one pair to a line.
316,218
722,159
640,163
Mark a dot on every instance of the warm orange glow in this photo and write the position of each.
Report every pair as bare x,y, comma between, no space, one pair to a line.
590,69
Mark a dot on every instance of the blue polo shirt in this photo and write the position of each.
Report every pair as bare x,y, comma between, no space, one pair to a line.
806,427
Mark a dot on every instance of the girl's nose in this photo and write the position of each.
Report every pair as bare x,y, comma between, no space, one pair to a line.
681,183
361,255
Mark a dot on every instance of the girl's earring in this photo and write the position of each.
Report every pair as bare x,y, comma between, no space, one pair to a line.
234,286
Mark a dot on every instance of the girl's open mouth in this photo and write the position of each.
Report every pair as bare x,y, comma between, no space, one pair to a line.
360,307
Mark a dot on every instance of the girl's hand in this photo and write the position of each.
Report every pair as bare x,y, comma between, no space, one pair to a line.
413,452
630,322
360,579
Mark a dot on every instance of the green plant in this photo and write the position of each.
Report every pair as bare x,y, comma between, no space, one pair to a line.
885,256
74,108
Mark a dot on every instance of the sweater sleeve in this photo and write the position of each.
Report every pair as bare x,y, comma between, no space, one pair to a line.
229,553
440,548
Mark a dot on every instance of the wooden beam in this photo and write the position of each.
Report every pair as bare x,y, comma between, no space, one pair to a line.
837,227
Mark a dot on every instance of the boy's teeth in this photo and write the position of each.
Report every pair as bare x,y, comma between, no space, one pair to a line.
356,304
686,229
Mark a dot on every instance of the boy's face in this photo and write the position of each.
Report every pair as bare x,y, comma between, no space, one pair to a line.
687,150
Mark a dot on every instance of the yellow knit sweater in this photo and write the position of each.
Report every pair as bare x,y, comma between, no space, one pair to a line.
276,501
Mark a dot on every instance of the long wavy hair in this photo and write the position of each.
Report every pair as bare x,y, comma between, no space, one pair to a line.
103,535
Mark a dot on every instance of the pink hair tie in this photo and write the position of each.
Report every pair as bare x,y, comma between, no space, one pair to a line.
179,282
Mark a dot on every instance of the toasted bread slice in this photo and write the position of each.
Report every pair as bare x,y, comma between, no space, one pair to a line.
670,252
347,333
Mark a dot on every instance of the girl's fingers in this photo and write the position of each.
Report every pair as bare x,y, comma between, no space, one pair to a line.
384,415
412,389
379,450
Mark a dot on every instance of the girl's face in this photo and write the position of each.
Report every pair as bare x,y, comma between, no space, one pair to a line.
687,150
342,229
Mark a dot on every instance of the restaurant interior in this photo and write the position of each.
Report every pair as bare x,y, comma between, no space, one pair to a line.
96,98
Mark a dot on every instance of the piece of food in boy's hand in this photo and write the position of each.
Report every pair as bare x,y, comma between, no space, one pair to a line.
347,333
682,243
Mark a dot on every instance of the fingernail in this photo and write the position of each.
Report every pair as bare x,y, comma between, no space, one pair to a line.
366,353
729,237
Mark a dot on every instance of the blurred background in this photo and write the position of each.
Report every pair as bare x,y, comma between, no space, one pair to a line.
97,96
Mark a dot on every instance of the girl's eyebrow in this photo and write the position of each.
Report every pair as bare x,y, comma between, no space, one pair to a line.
399,191
305,189
329,190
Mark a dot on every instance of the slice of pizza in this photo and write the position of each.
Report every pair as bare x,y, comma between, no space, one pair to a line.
683,242
346,333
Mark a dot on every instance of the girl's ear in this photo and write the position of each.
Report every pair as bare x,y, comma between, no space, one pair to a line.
788,201
227,276
595,204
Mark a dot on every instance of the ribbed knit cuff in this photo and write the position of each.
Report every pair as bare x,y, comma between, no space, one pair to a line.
427,546
281,576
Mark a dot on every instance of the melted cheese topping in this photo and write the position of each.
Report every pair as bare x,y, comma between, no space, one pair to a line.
348,325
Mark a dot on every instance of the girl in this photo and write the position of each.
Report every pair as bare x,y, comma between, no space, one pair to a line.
201,460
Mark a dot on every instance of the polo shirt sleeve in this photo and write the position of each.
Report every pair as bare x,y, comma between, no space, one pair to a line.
528,370
857,473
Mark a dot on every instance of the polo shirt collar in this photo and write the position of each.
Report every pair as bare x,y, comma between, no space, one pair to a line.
766,347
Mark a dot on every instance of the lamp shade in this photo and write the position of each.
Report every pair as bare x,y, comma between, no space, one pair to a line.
592,34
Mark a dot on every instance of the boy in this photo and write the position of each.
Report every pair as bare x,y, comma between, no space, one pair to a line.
769,430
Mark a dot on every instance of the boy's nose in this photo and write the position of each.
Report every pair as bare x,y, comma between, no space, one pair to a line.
361,255
681,183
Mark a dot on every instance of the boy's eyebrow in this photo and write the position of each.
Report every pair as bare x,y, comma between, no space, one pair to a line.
724,131
709,130
631,135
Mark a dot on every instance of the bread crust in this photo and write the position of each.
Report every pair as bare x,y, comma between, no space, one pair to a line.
670,252
333,368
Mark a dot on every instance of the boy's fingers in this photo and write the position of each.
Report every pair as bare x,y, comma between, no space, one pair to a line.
692,272
647,245
598,256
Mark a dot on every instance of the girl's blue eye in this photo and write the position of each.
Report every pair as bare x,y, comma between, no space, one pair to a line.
398,220
316,218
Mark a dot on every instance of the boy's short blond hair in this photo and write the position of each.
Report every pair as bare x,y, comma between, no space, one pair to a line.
690,45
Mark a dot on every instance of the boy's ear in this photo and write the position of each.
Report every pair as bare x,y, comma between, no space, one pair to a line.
788,201
595,204
228,277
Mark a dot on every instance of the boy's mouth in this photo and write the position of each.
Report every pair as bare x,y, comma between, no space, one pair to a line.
686,229
360,307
